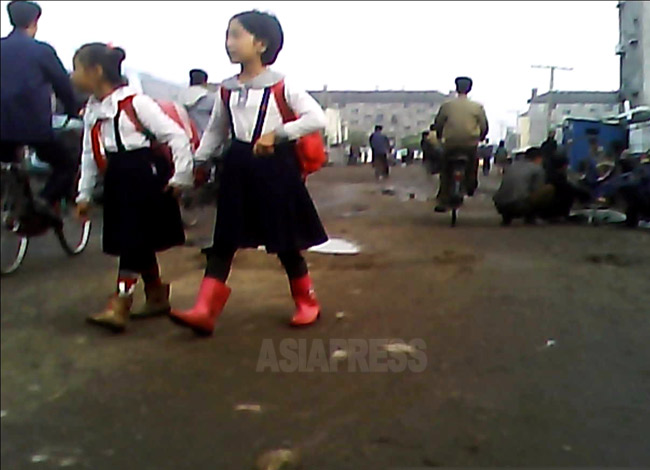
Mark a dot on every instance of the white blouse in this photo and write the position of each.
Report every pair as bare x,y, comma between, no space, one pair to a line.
245,103
152,118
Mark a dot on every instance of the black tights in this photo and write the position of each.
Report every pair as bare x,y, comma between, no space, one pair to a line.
142,263
220,263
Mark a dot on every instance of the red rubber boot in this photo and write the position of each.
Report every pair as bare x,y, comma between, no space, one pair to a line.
307,307
212,298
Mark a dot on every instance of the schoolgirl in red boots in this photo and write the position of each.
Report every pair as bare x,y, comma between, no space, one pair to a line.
262,198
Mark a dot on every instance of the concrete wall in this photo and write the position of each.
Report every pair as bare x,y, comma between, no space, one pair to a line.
399,119
634,50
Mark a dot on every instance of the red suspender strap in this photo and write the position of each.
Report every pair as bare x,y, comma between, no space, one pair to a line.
126,105
100,158
281,101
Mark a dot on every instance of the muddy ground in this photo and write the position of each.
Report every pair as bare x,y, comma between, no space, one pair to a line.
537,349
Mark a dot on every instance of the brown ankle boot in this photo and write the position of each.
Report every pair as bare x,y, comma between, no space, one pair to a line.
116,314
157,303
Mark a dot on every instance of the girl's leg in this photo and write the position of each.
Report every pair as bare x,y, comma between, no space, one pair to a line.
156,292
294,264
213,294
302,289
150,270
219,263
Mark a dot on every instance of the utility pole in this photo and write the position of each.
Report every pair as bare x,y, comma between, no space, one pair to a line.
549,109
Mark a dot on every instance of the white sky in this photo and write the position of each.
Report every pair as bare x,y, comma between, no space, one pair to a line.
364,45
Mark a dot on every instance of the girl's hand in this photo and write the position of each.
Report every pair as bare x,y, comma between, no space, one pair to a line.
174,190
83,208
265,145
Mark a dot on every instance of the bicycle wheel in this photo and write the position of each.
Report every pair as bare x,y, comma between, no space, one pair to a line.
75,233
13,246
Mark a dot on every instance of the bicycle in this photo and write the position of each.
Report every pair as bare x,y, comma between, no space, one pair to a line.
458,190
22,219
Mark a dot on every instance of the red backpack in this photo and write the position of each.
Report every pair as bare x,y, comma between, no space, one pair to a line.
177,113
310,149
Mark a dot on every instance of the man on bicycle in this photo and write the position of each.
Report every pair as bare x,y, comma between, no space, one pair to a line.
29,70
461,125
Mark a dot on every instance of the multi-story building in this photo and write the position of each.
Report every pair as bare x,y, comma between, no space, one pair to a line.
402,113
634,51
565,104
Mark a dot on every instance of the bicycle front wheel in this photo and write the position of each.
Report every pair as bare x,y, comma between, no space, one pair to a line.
13,250
74,234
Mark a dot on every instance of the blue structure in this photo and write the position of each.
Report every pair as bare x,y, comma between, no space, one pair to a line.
576,134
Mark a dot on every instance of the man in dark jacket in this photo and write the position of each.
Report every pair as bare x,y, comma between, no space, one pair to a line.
380,146
29,70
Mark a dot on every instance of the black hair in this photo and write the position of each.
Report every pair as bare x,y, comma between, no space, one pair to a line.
425,134
502,143
109,58
23,13
198,77
464,85
432,127
266,28
379,128
533,153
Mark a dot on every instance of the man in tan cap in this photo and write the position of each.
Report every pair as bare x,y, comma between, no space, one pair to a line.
461,125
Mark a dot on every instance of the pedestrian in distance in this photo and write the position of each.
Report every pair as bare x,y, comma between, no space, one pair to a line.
198,99
380,146
501,157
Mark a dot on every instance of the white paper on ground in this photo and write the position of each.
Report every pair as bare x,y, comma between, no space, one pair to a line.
603,216
336,246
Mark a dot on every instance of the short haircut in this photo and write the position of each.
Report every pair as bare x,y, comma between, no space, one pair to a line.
425,134
464,85
108,57
266,28
23,13
198,77
432,127
533,153
379,128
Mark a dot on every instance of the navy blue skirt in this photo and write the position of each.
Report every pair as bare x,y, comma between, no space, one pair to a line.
264,201
139,216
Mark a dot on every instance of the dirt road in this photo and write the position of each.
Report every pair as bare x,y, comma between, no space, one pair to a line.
537,349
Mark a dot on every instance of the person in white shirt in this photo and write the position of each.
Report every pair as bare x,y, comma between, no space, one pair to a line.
198,99
262,198
141,212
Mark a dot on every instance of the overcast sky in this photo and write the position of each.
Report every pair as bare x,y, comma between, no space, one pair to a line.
364,45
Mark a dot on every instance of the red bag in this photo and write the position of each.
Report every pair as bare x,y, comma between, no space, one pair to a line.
310,149
176,112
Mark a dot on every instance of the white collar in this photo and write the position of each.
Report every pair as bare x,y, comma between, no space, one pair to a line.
107,107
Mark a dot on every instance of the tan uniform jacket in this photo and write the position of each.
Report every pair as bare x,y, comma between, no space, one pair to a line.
462,122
